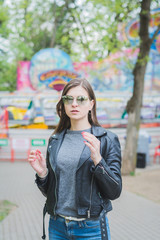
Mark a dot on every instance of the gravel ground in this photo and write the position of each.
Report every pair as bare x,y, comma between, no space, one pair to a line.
145,183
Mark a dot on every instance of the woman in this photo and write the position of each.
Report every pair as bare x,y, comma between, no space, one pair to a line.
81,172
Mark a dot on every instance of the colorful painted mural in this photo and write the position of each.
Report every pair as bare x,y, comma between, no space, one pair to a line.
57,79
111,74
44,62
23,79
132,28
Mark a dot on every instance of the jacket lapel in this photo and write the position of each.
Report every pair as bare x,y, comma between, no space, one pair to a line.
84,156
97,132
54,147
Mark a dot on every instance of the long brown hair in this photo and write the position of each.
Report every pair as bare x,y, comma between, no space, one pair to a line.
64,121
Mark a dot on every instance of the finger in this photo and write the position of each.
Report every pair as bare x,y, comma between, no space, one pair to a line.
38,151
32,152
85,135
33,159
89,135
32,156
40,157
91,140
92,149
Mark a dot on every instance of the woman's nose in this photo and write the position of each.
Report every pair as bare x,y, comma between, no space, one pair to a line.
74,102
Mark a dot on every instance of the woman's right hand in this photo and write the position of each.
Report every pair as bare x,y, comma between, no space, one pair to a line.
38,163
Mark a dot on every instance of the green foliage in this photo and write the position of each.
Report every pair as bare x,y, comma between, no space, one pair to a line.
132,174
28,27
141,61
3,21
87,30
5,208
8,75
114,14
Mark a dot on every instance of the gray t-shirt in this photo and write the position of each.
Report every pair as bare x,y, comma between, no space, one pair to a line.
67,162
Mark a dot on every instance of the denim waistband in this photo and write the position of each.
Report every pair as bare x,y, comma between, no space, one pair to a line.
72,218
101,218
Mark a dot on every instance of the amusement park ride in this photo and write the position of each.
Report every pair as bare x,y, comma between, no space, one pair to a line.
41,81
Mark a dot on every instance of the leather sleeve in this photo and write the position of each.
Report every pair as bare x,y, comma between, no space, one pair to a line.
42,184
108,171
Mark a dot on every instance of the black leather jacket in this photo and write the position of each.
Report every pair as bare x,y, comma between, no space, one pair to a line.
95,186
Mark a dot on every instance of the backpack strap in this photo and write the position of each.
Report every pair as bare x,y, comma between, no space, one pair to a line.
44,213
104,234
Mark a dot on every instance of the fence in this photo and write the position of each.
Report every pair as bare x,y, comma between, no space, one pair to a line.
18,149
21,141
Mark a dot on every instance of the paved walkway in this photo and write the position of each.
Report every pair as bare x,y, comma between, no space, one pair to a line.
133,217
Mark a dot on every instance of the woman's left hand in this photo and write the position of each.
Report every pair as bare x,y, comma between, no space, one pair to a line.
94,144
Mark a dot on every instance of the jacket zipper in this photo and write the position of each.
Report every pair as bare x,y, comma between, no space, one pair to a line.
105,172
54,209
89,210
55,194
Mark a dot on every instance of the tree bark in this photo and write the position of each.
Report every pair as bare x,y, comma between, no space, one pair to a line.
54,26
134,104
58,18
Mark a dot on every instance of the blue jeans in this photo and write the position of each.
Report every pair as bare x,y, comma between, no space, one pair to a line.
61,229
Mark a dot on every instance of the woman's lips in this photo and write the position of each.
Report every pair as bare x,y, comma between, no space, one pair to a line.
74,111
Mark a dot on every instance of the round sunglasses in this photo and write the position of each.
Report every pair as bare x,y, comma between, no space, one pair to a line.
69,99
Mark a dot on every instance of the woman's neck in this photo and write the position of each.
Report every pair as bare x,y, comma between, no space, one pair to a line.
78,126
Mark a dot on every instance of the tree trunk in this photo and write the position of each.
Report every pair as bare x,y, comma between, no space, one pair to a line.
130,151
58,18
52,43
134,104
54,25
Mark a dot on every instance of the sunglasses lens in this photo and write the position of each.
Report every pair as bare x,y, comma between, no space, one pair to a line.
81,100
67,99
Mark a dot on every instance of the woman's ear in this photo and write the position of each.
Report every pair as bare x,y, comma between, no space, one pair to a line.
92,104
